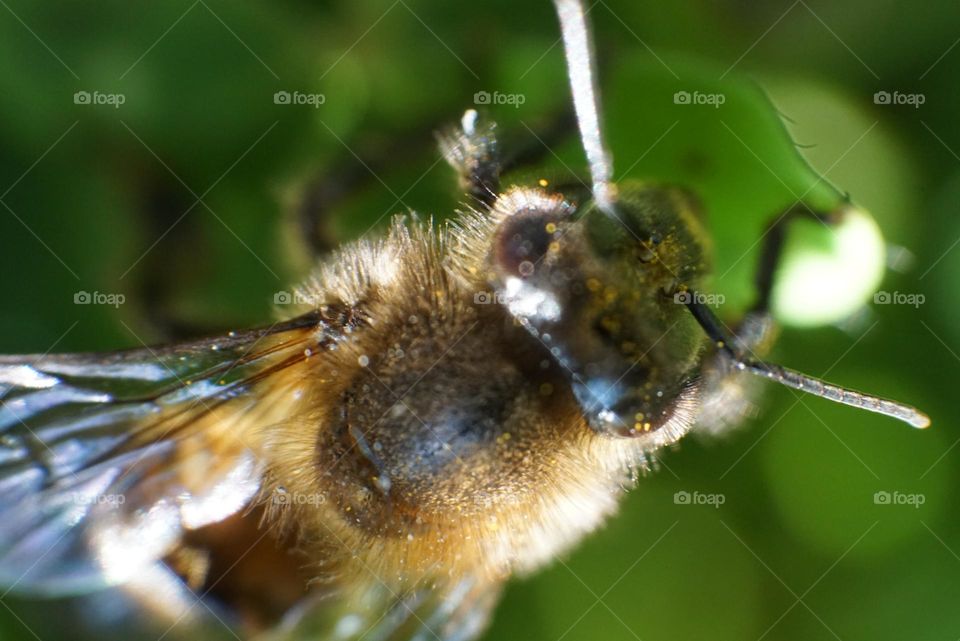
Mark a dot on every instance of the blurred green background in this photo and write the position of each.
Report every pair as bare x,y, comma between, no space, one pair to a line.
199,198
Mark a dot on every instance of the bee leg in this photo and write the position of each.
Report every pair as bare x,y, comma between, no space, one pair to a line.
772,250
312,215
311,209
471,149
728,394
755,331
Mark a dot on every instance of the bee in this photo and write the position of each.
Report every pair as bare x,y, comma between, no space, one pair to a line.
445,408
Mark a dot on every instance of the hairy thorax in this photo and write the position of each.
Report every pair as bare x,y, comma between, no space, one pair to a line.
449,438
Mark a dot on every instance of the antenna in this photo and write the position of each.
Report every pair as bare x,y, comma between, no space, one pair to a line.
790,378
578,48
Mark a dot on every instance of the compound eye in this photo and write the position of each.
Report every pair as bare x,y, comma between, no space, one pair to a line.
529,232
524,241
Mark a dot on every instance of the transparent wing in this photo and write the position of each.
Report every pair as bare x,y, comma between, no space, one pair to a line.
452,611
107,459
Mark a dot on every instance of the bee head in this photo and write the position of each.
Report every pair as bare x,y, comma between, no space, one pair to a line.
610,287
595,283
603,294
652,238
